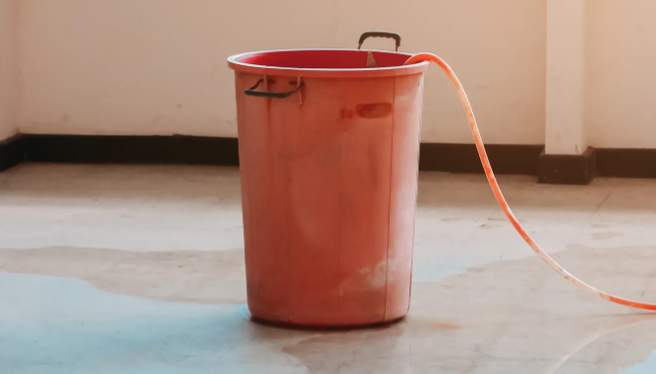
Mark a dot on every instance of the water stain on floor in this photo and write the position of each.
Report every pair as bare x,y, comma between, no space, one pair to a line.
58,325
504,317
646,367
205,277
445,325
379,350
607,235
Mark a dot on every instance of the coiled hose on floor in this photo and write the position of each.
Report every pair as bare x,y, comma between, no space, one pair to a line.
420,57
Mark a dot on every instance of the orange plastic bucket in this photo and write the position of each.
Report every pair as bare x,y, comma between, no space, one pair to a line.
328,154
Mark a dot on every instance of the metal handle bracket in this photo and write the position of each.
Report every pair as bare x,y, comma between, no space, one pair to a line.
273,95
381,34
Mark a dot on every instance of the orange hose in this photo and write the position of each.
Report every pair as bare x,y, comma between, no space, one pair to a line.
499,196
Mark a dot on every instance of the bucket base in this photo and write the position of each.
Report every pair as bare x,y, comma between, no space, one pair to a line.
292,326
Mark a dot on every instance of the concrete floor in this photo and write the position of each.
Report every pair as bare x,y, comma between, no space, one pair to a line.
138,269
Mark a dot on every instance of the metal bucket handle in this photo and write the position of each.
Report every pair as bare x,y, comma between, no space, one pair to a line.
381,34
252,91
273,95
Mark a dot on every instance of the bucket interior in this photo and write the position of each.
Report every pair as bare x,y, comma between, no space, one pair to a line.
323,59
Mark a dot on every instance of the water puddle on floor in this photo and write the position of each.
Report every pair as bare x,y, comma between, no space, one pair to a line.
68,310
60,325
647,367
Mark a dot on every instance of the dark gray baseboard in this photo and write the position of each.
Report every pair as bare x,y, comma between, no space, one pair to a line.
175,149
463,158
453,158
627,163
11,152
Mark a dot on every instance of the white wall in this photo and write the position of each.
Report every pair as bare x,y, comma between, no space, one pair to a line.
8,67
158,66
621,73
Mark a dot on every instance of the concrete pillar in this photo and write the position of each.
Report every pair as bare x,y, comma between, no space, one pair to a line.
565,133
566,159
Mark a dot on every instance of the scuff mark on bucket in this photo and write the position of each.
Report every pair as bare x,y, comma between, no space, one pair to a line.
378,276
375,110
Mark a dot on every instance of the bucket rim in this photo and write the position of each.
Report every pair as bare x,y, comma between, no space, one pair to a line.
238,66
